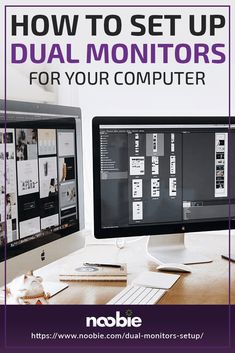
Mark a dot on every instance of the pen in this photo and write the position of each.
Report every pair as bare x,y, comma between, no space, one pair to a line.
102,265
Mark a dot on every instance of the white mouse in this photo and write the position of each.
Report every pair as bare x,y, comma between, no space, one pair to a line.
174,267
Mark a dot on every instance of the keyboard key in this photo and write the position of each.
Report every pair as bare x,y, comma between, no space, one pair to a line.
134,295
141,297
121,294
155,297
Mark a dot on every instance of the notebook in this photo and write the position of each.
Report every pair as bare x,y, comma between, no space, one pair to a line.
95,273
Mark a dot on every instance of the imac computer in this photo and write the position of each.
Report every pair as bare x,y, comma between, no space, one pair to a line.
163,177
41,185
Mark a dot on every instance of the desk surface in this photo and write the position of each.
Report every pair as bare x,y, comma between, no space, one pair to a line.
207,284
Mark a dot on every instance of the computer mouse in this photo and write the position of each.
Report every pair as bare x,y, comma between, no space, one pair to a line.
174,267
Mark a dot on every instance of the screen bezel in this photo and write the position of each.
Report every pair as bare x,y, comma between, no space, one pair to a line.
51,116
140,230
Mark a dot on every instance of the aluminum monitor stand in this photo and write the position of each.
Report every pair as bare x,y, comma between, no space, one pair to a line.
170,248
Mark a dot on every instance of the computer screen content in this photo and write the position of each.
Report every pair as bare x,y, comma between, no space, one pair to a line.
40,189
154,176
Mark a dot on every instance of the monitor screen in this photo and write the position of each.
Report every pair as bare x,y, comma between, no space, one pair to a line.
156,177
39,197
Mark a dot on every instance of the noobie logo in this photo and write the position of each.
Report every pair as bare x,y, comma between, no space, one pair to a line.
110,321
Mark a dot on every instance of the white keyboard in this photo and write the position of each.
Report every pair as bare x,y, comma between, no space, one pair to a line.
134,295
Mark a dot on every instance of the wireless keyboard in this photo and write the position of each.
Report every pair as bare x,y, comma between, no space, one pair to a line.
134,295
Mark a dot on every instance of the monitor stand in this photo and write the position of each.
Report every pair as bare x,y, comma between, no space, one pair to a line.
170,248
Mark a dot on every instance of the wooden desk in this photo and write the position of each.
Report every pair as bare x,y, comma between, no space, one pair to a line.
207,284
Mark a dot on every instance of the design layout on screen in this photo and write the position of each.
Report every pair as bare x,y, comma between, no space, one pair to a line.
41,188
156,175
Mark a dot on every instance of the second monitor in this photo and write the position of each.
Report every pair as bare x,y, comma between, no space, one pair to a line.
163,176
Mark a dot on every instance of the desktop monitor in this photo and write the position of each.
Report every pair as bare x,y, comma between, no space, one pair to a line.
41,199
158,176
